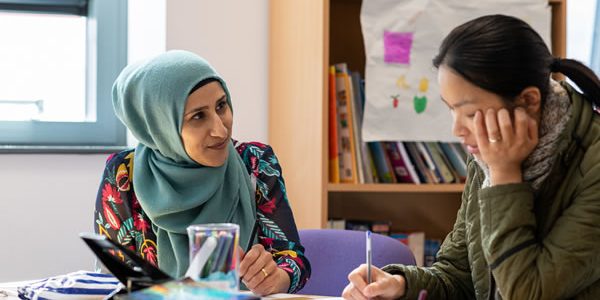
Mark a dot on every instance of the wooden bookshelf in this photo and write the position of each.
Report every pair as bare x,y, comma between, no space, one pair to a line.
306,36
395,188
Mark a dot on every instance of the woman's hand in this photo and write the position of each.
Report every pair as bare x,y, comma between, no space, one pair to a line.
383,285
260,273
504,144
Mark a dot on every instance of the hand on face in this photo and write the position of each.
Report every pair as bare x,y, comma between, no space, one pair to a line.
260,273
383,285
503,143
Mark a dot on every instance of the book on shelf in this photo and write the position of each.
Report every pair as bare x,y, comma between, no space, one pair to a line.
351,160
363,153
385,173
432,246
334,163
454,158
445,171
431,168
423,249
398,164
409,165
422,169
346,148
380,227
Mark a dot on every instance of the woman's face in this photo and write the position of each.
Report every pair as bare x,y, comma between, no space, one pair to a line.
464,99
206,128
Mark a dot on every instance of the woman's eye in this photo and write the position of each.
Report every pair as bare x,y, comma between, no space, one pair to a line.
221,106
471,116
198,116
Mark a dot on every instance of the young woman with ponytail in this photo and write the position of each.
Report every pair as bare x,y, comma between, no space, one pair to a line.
528,226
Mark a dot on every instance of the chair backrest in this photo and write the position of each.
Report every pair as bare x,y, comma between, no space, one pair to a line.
333,254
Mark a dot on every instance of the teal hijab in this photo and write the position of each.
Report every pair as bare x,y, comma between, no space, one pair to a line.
175,191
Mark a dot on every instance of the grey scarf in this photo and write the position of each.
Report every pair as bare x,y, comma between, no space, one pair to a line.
556,112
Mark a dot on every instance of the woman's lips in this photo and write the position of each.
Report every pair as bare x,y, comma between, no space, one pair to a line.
219,146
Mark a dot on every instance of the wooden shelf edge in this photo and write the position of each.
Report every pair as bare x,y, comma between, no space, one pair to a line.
396,188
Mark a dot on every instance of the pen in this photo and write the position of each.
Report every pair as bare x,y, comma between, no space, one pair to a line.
368,257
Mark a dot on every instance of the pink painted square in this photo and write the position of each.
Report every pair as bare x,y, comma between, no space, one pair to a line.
397,47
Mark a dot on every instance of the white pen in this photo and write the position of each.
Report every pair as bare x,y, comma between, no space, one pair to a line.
201,258
368,257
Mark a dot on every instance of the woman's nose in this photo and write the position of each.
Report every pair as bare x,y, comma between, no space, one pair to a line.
458,130
218,128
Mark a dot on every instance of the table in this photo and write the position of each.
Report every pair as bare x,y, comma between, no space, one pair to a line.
8,291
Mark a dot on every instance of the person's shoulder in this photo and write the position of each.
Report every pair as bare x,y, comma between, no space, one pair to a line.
124,156
254,149
259,158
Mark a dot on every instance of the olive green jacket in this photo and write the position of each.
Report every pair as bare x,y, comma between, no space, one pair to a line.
530,245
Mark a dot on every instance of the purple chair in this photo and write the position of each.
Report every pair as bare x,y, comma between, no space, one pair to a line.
333,254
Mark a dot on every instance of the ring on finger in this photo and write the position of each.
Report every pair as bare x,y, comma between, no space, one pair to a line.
494,139
264,272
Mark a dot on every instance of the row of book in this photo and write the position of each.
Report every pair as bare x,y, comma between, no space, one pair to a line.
424,250
353,161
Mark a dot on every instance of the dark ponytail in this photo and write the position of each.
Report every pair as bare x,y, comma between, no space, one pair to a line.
504,55
581,75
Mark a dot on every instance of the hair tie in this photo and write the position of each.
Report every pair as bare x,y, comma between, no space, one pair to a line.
556,63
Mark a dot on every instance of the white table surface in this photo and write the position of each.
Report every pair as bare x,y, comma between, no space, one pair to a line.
8,291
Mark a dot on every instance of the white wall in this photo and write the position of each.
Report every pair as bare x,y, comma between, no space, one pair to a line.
233,36
46,200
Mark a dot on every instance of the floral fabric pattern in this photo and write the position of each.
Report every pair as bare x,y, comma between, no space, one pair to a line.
119,216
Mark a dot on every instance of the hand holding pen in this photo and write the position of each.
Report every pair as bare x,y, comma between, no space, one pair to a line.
383,285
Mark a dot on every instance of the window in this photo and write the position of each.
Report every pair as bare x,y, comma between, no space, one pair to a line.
595,60
58,61
581,44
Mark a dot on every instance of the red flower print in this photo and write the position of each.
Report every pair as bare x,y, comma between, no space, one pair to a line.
268,206
267,242
140,224
110,194
254,164
150,254
286,267
135,204
110,216
259,145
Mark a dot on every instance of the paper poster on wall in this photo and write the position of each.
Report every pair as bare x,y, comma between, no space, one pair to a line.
401,38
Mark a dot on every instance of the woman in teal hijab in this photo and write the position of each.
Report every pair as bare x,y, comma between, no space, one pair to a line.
187,170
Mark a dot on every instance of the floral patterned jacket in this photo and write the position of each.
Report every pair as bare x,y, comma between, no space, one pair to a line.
119,216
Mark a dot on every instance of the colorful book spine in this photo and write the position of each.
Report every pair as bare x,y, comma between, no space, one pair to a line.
422,169
444,170
364,164
409,164
398,164
334,161
347,160
386,175
431,168
374,173
431,249
356,140
455,160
